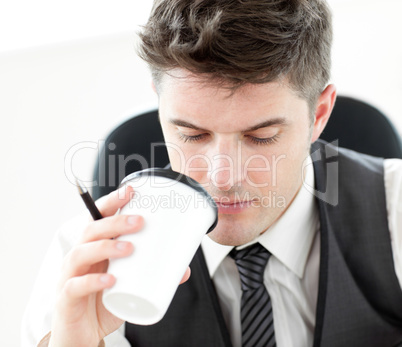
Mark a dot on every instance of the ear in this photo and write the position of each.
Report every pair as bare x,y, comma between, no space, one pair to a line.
323,110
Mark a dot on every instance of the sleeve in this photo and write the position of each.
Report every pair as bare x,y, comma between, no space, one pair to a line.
393,192
36,322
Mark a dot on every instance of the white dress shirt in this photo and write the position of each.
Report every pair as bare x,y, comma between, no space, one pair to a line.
291,275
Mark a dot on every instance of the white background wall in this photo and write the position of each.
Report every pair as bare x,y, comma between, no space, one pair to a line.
68,74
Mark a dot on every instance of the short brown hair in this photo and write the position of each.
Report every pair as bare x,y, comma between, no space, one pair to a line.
242,41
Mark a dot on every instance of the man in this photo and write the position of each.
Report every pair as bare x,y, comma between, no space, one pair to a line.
242,89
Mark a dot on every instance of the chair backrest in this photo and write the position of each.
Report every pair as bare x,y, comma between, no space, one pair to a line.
138,143
363,128
134,145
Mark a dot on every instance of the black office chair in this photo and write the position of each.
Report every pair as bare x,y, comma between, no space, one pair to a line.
138,143
363,128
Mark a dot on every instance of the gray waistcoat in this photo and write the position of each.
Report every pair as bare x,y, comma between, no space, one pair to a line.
359,300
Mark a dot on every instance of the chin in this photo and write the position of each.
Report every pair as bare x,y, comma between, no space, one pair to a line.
230,237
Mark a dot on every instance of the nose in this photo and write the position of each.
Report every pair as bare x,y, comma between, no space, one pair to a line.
222,172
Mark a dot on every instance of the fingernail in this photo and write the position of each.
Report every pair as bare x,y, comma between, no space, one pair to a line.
104,278
121,245
133,220
122,192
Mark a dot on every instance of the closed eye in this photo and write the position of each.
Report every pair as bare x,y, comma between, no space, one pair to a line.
263,141
253,139
192,138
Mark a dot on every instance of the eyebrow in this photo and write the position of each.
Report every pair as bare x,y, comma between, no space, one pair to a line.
267,123
264,124
182,123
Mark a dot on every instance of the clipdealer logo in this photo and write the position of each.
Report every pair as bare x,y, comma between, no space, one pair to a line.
115,166
331,193
112,167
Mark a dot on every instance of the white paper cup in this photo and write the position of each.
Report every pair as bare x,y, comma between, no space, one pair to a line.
178,212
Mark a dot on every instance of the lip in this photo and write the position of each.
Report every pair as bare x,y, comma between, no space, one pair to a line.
229,207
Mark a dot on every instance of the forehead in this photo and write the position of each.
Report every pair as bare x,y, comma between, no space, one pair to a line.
206,103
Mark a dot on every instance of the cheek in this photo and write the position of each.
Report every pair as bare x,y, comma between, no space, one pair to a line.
259,171
278,172
176,154
197,167
288,171
176,157
194,165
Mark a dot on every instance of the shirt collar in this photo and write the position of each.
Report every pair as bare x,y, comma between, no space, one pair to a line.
289,239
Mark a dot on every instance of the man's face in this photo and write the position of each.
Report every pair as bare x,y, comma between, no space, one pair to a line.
246,148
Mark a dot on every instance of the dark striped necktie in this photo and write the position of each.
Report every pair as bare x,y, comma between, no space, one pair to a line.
257,320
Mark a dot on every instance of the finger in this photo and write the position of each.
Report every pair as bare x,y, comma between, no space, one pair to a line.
77,288
186,275
109,204
111,227
82,257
